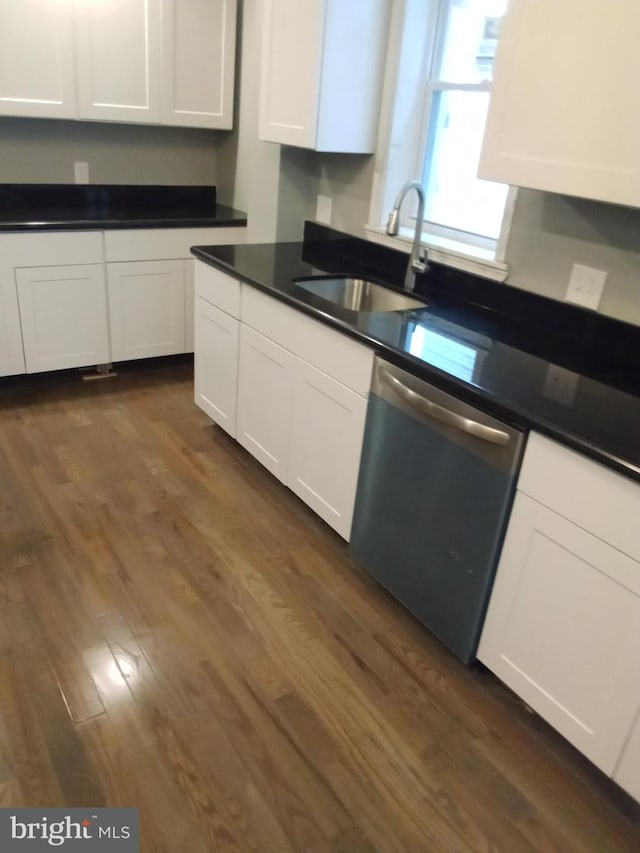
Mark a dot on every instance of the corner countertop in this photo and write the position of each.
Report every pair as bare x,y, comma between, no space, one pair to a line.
564,371
73,207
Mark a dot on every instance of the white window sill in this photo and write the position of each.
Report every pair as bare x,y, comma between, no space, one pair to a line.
442,250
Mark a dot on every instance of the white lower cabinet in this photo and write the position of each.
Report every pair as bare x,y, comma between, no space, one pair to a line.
301,390
11,353
326,441
216,364
217,340
303,425
63,310
265,397
627,773
189,305
146,308
98,297
563,624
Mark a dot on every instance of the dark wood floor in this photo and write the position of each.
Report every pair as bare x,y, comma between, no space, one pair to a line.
178,633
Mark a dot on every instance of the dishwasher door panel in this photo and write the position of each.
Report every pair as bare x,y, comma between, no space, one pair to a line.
429,520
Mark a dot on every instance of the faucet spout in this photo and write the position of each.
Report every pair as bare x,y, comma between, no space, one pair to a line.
417,258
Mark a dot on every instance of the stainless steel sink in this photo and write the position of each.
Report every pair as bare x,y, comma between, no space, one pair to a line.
358,294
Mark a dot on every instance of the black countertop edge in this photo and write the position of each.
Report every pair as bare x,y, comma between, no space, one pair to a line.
235,219
512,411
66,207
115,224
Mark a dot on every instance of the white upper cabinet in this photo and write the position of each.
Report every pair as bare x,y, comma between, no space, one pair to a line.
199,38
135,61
322,66
564,115
37,74
118,56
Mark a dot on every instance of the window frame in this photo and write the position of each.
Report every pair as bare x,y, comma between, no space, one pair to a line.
406,104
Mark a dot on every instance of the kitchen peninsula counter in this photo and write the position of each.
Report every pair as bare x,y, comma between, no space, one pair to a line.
564,371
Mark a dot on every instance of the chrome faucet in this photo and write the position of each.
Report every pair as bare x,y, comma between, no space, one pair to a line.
417,259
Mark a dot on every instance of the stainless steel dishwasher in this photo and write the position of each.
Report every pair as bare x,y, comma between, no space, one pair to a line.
436,483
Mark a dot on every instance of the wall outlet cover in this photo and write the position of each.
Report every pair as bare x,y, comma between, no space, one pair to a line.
560,385
585,286
81,172
323,209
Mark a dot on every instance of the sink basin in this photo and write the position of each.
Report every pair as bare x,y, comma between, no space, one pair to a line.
358,294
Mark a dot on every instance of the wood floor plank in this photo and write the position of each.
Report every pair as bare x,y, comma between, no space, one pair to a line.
179,633
133,776
175,724
47,754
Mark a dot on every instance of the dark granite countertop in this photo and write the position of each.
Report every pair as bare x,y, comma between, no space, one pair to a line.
71,207
562,370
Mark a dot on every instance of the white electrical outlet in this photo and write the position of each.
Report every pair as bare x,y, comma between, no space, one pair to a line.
585,286
560,385
81,172
323,209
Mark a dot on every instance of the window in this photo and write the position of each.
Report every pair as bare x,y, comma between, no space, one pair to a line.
437,93
456,111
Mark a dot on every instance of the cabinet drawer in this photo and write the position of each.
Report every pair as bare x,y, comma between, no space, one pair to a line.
51,249
335,354
142,244
601,501
218,288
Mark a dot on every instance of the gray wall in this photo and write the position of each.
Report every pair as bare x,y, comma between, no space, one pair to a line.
44,151
271,183
552,232
278,186
549,234
347,179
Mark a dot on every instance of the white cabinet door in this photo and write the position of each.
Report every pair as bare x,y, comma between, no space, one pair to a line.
216,364
627,772
321,74
563,114
37,73
11,354
189,305
265,389
64,316
118,60
198,38
563,629
146,308
288,99
326,442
